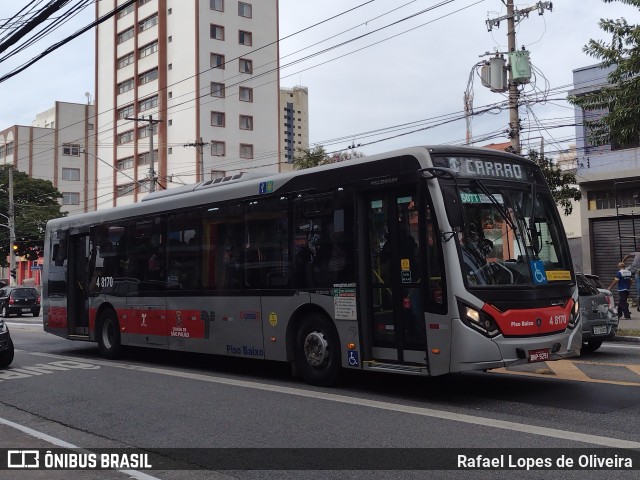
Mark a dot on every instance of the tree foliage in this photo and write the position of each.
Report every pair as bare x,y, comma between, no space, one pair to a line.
620,100
35,201
562,183
312,157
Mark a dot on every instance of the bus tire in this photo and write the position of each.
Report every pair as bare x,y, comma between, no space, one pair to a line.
108,334
6,357
317,351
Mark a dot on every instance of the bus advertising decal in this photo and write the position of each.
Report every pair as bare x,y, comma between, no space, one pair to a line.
187,324
57,317
250,315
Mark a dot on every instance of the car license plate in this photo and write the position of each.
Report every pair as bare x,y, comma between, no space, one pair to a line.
600,330
539,355
26,310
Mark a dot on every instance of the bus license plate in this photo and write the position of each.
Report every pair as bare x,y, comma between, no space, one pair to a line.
600,330
539,355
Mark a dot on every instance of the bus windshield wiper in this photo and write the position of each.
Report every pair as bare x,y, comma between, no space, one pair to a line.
499,207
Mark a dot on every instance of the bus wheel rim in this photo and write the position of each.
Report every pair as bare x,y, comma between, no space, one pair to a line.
316,349
107,334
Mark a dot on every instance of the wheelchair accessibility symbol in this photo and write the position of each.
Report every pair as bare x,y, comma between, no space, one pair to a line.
352,358
539,275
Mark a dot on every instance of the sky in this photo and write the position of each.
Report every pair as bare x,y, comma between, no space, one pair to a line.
396,77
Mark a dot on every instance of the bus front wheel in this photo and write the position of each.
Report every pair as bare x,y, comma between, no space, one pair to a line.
317,351
109,335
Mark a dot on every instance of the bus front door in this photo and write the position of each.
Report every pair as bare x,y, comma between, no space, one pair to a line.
397,323
77,311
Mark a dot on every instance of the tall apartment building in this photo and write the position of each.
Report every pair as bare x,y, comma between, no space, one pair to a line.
202,72
294,130
609,179
59,146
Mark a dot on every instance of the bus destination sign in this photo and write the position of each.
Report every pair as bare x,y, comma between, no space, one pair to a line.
474,167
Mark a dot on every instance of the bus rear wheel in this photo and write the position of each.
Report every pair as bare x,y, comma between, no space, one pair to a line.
109,335
317,351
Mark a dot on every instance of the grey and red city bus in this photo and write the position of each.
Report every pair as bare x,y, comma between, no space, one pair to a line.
424,261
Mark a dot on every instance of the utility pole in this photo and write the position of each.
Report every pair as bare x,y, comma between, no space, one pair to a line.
12,230
152,173
200,146
513,17
514,93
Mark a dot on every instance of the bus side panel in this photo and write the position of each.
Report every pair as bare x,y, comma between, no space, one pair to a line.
276,314
471,350
237,328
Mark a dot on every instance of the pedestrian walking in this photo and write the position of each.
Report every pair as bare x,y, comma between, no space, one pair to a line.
623,279
634,268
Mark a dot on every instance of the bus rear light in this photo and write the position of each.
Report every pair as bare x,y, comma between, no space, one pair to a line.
478,320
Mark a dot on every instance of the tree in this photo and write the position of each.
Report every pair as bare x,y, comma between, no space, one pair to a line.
312,157
35,202
561,183
620,100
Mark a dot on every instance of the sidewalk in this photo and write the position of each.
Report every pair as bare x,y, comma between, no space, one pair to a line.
631,324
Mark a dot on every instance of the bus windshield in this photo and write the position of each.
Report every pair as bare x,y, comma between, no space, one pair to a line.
511,236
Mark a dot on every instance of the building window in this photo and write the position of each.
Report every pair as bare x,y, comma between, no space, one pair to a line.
9,148
125,112
245,38
125,137
69,150
70,174
246,122
1,151
217,90
215,174
148,76
145,158
142,2
246,66
125,35
125,60
217,149
126,189
246,94
143,132
124,163
244,9
216,5
217,119
246,150
148,22
217,60
70,198
217,32
148,103
126,11
125,86
148,49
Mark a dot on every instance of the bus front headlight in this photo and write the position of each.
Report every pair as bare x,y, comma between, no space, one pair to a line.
478,320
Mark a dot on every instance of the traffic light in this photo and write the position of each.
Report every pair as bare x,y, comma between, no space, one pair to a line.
13,273
15,248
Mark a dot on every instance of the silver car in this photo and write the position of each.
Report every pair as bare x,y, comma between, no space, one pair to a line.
599,320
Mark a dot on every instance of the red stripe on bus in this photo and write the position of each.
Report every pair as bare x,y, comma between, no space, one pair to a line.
531,321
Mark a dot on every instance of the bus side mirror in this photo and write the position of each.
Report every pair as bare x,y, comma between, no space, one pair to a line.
453,206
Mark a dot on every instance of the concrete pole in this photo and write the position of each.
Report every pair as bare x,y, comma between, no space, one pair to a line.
12,230
514,94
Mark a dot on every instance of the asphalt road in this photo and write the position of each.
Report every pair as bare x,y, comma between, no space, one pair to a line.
59,392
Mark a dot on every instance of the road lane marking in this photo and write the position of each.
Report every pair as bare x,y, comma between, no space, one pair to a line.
567,369
362,402
62,444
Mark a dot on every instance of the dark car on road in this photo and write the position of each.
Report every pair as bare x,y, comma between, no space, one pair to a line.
599,320
6,345
19,300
